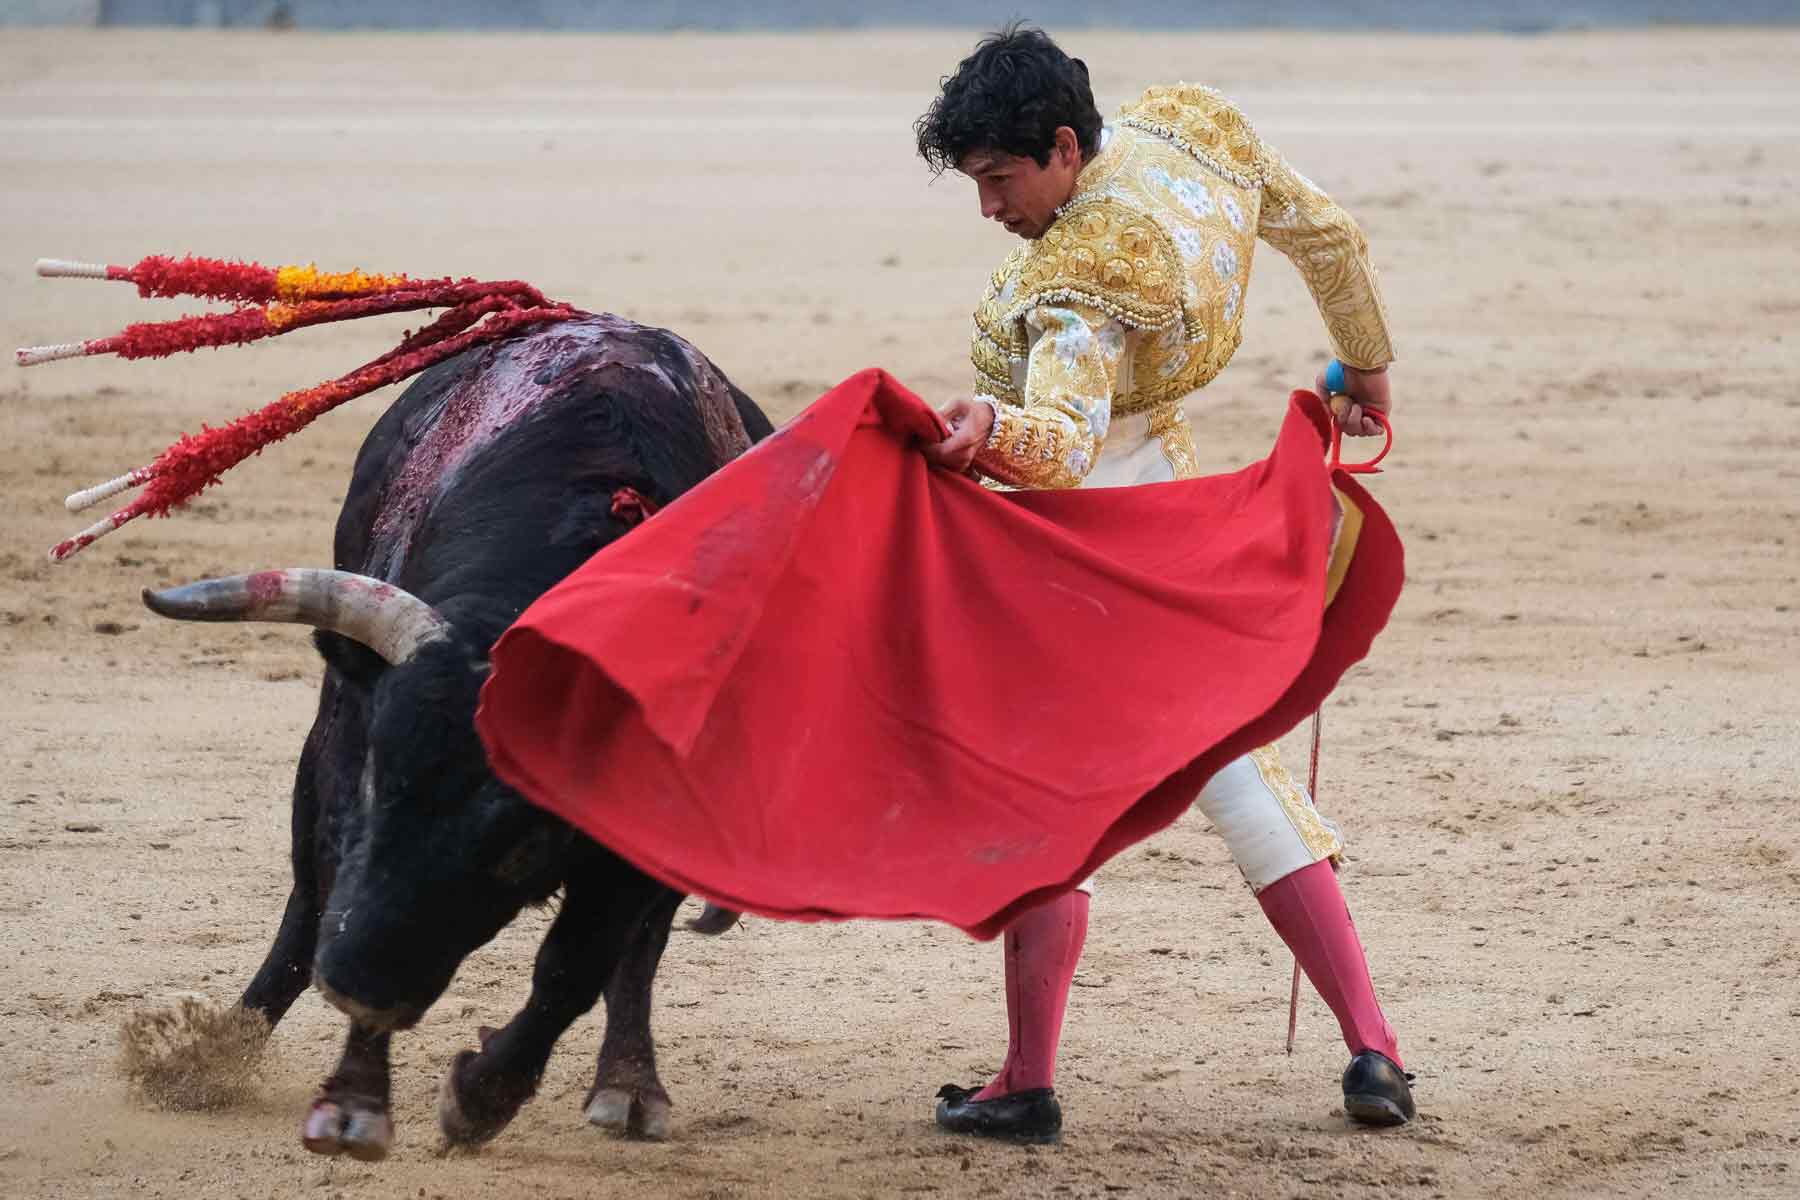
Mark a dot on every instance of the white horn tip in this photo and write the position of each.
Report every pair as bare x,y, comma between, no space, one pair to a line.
31,356
67,268
88,497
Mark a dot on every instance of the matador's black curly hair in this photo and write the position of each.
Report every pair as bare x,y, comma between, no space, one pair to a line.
1010,95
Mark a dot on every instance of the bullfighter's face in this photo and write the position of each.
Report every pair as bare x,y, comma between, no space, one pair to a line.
1019,193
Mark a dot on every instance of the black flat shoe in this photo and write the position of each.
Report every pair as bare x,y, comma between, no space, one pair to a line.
1377,1091
1030,1116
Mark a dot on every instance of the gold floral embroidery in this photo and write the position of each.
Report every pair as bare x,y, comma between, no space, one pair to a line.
998,342
1332,255
1169,426
1319,836
993,368
1053,441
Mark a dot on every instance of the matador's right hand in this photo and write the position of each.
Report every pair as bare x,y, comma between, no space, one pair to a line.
1368,391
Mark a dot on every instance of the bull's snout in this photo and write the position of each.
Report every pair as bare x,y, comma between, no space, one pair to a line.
362,975
386,1019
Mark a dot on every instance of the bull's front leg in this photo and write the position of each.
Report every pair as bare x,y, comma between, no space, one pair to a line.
286,970
601,911
627,1096
350,1113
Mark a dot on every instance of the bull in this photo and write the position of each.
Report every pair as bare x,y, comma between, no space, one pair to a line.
493,476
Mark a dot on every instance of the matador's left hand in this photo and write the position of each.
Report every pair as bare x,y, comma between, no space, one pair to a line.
970,423
1368,392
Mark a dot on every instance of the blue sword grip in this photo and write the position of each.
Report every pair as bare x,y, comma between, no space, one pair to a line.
1334,377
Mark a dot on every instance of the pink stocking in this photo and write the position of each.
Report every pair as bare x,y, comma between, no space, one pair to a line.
1307,909
1042,948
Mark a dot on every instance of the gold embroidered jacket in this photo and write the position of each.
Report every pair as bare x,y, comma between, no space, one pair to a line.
1134,296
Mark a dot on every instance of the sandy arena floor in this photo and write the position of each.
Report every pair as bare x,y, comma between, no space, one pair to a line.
1568,770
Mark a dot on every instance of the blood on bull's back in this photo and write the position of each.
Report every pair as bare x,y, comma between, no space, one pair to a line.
472,407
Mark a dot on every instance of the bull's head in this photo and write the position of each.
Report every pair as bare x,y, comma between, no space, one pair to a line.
435,854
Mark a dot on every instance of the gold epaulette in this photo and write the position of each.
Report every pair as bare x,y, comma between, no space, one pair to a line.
1103,253
1204,124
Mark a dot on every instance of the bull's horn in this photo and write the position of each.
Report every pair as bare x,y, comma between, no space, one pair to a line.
388,620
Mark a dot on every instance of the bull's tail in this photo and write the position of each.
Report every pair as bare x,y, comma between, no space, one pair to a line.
714,920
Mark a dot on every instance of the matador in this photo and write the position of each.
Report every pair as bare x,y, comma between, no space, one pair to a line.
1123,299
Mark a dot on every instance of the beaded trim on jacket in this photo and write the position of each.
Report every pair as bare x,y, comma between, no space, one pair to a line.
1204,125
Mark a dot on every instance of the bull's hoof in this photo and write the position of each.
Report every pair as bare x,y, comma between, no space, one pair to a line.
344,1125
471,1114
635,1112
456,1125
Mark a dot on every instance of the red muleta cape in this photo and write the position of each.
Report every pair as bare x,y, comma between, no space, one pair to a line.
832,681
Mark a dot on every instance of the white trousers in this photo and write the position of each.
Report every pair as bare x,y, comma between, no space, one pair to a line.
1266,818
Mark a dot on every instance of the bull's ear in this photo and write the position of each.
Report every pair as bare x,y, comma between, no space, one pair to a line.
358,664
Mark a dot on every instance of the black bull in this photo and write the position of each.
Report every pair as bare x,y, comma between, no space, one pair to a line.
492,477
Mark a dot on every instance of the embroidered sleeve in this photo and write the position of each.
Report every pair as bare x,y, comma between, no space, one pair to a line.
1332,255
1053,438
